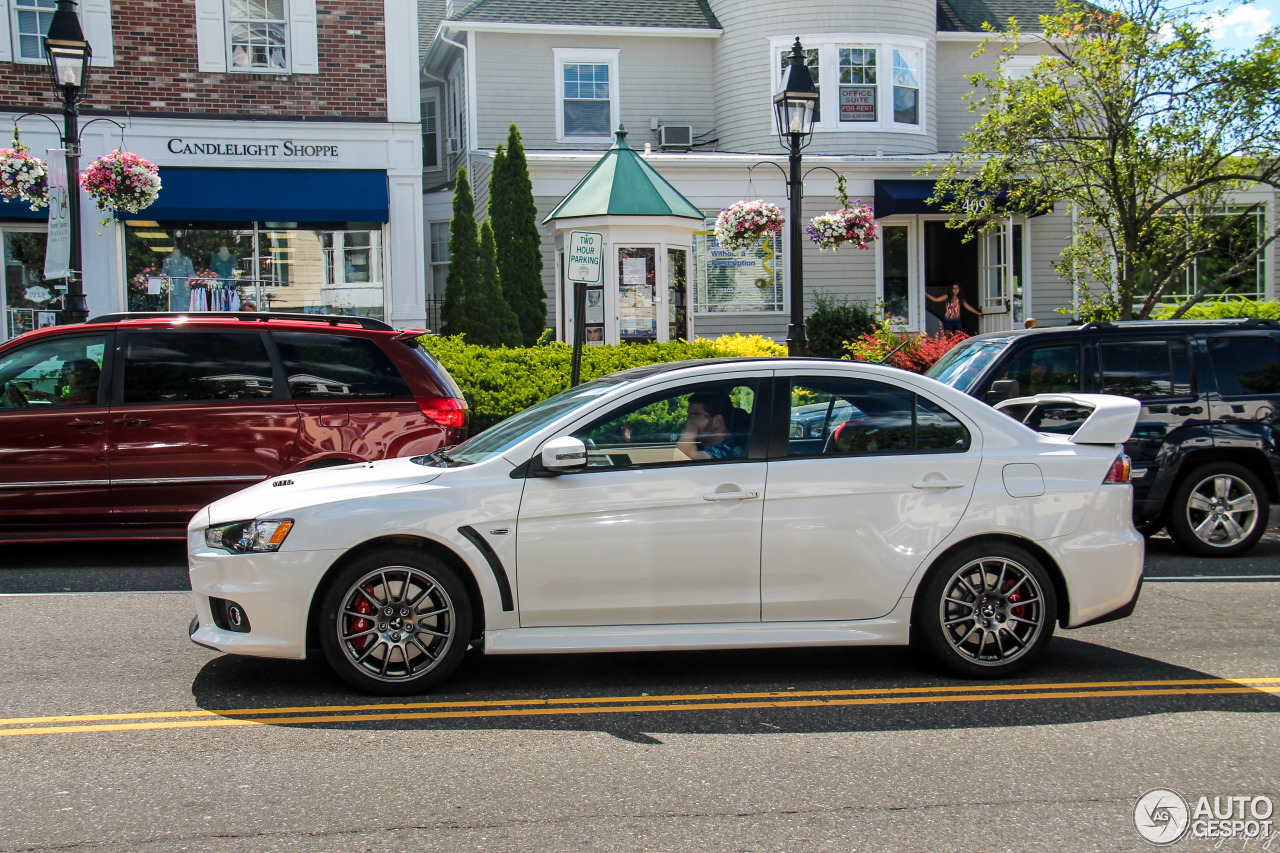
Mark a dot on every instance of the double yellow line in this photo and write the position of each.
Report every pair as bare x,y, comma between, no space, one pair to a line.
146,720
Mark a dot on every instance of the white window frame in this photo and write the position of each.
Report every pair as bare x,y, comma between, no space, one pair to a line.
283,22
574,56
213,38
433,98
828,46
95,20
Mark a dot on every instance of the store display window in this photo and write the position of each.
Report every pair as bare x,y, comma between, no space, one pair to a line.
262,266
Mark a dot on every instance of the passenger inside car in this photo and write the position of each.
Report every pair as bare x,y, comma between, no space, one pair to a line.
77,384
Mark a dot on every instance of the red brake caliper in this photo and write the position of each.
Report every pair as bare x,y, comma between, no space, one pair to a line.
1019,611
358,624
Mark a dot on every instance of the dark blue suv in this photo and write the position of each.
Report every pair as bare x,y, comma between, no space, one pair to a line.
1205,460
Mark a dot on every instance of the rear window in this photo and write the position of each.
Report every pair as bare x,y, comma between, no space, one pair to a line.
1246,364
195,366
326,366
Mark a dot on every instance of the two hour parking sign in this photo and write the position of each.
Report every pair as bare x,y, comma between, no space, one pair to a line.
585,256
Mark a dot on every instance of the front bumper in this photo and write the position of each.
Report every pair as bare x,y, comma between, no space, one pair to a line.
274,589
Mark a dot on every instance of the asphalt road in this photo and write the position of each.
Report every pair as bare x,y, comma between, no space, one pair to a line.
118,734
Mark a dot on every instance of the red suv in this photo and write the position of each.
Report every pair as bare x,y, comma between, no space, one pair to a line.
124,426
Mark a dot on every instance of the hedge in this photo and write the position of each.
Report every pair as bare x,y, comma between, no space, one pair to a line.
499,382
1223,309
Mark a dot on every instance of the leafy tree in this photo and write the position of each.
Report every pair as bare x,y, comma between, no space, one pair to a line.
490,320
515,228
1133,118
464,261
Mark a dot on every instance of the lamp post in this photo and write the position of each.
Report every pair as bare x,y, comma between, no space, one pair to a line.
794,107
68,54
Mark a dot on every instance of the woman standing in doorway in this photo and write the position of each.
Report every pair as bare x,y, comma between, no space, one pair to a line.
951,320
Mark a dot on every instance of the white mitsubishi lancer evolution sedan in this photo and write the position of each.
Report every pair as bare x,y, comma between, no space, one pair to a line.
718,504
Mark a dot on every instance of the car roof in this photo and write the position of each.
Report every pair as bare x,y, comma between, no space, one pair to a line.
1128,327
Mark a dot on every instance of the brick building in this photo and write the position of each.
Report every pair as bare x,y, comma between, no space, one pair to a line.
289,145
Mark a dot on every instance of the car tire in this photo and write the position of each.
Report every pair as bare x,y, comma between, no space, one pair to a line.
986,611
395,622
1220,509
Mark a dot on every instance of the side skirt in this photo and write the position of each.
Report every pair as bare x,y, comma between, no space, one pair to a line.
891,630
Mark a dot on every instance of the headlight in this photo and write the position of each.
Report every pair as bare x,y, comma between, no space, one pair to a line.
242,537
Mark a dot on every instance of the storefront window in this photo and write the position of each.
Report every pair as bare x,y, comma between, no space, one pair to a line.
896,261
745,281
254,267
637,311
677,295
29,302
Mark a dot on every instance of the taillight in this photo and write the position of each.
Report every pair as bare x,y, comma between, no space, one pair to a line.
446,411
1120,470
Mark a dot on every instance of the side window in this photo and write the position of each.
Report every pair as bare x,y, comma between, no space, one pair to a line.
1246,364
195,366
1145,369
702,422
337,366
58,373
1046,369
864,417
586,93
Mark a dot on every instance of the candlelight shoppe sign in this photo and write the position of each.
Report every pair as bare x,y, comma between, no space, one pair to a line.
280,148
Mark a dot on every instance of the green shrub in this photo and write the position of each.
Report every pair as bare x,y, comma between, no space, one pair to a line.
835,321
499,382
1222,309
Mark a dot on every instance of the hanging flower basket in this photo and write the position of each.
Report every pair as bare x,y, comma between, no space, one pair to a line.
742,224
853,223
121,180
23,176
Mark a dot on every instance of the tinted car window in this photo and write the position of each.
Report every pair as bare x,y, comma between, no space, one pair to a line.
1246,364
196,366
336,366
860,416
1145,369
1046,369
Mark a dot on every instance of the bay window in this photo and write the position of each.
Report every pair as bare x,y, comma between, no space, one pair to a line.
865,82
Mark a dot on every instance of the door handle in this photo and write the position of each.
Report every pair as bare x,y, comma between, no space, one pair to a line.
937,484
731,496
132,422
1186,410
84,423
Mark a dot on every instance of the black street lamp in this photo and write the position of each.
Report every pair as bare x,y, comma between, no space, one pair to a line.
69,55
794,106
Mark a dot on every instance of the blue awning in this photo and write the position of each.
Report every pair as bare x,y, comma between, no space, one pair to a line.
21,210
268,195
911,197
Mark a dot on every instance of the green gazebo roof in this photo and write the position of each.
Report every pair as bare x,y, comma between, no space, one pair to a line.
623,184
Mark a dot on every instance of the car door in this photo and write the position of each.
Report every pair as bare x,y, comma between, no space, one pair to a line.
53,453
198,414
851,511
1157,372
646,535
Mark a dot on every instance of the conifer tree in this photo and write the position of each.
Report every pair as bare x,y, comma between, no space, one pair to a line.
515,227
464,268
490,321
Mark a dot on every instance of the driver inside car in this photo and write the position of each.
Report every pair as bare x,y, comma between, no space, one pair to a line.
707,429
77,385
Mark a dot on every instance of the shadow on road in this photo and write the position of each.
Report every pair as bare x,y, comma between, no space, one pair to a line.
231,682
156,566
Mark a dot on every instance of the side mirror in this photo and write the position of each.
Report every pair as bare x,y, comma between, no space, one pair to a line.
1003,389
565,453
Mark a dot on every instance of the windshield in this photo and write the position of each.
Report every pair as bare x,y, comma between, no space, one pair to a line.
962,366
506,434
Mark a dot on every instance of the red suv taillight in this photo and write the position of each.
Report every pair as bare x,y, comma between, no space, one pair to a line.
446,411
1120,470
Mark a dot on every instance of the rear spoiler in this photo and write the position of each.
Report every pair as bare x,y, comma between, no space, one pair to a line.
1111,422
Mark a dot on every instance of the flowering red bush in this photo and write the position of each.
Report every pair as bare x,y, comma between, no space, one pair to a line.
916,353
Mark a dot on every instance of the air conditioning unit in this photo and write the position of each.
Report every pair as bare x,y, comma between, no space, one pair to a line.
675,136
454,145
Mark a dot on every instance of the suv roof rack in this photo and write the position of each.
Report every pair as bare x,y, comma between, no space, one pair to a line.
1098,325
250,317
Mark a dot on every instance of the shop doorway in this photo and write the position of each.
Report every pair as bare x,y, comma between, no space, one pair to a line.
948,258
